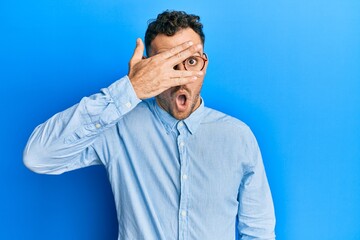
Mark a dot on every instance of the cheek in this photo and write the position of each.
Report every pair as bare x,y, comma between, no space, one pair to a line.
164,95
196,86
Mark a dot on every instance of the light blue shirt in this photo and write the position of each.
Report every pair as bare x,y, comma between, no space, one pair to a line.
199,178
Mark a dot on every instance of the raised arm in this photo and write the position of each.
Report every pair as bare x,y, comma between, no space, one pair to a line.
63,142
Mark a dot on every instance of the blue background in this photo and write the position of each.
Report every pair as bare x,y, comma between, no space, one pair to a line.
289,69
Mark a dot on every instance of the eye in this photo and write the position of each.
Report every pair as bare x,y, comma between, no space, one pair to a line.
192,61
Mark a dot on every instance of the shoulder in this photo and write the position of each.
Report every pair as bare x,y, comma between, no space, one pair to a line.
217,118
226,126
234,135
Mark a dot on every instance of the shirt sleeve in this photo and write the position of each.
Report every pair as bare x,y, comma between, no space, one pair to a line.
256,217
64,142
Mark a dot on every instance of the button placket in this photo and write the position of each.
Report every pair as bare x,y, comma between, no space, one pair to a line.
183,208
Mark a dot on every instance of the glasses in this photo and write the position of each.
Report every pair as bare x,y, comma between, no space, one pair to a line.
195,63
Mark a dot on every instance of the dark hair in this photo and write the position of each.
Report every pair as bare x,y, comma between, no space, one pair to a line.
169,23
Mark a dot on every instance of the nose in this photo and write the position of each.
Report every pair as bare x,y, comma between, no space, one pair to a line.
180,66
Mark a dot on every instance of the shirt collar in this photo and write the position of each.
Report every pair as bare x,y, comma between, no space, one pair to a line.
192,122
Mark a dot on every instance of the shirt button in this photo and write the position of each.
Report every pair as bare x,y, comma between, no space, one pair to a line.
182,144
181,124
183,213
128,104
98,125
185,177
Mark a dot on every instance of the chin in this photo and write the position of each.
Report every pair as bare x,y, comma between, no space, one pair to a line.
180,116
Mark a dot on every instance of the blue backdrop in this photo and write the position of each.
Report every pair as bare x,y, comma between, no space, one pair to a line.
289,69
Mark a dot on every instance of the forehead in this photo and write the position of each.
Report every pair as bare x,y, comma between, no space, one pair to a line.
163,42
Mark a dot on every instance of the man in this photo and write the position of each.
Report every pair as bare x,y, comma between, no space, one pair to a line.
178,170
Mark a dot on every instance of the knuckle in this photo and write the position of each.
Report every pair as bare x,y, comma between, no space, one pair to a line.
153,61
173,51
179,55
194,48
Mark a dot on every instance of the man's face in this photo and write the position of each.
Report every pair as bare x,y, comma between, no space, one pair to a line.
179,101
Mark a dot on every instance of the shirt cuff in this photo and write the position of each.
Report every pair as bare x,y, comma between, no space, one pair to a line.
123,95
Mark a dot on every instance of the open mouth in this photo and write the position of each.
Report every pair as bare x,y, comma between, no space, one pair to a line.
182,99
181,102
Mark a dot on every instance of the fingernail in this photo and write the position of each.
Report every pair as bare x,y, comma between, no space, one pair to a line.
190,43
194,78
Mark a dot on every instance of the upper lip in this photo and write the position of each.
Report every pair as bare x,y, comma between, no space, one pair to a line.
181,91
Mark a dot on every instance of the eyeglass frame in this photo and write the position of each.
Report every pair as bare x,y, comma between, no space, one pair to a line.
205,60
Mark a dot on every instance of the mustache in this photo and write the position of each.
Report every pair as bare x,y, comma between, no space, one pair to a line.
178,88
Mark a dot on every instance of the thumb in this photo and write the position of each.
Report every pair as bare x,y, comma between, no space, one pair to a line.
138,52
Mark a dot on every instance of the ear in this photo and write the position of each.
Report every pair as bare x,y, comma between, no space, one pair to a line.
206,63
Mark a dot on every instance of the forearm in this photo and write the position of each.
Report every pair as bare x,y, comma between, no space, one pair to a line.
64,141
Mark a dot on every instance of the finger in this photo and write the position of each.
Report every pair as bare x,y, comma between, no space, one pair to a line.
185,73
138,52
178,81
181,56
175,50
181,77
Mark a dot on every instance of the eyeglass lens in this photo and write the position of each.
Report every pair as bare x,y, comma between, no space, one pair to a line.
194,63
